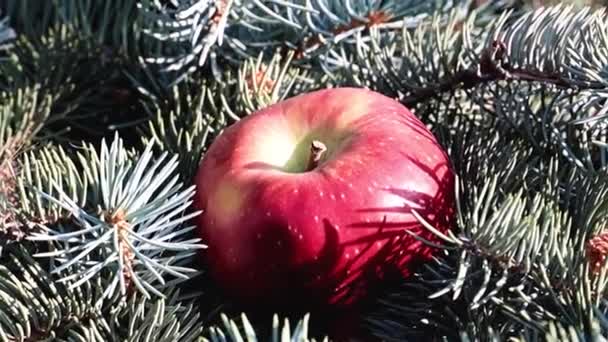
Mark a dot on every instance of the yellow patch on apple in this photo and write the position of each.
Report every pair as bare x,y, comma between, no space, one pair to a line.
229,200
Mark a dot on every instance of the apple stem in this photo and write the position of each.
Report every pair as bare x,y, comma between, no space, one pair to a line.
317,149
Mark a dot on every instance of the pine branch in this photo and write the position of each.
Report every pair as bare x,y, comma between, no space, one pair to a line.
10,229
543,51
528,248
236,30
260,82
113,24
6,34
203,26
501,236
39,170
232,331
514,263
527,59
72,77
467,52
162,320
128,219
485,61
405,60
22,114
78,52
182,126
557,331
337,25
34,307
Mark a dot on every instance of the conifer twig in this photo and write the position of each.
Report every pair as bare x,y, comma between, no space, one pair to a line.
492,67
134,225
6,34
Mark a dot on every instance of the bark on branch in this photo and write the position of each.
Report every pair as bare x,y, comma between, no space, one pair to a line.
492,67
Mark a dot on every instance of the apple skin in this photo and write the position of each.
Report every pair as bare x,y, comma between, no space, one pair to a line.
276,231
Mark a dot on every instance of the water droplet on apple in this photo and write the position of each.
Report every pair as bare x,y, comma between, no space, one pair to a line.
259,236
337,227
268,213
357,251
333,197
347,256
350,185
348,271
318,277
342,196
321,193
316,218
300,236
279,243
295,191
378,244
369,188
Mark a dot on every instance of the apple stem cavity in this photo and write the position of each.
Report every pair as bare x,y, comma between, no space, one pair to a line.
317,149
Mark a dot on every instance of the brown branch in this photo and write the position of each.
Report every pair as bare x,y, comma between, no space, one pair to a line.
596,251
257,80
11,229
492,67
118,220
374,18
220,11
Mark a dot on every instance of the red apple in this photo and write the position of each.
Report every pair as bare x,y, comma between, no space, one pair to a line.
311,198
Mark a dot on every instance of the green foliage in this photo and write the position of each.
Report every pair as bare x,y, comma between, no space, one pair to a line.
232,332
22,114
95,20
184,123
6,34
163,320
34,306
531,188
97,239
233,30
125,215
